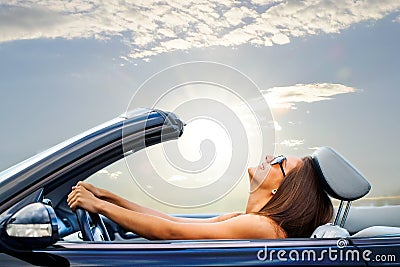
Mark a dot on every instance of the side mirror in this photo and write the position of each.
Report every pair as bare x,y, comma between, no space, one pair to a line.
33,226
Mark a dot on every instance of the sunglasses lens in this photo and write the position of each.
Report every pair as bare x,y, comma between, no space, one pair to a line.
277,160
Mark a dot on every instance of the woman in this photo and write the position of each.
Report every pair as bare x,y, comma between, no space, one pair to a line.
286,200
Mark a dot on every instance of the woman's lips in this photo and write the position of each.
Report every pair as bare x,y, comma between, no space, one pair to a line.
261,166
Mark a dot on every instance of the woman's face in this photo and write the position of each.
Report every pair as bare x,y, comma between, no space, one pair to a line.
264,178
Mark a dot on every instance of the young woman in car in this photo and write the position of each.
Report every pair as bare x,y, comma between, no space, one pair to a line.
286,200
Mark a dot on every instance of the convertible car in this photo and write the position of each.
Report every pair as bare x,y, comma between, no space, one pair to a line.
38,228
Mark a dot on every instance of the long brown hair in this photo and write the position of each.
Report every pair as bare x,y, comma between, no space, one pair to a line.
300,204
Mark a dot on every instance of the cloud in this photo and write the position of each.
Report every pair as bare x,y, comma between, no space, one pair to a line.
292,143
287,96
112,175
152,27
280,39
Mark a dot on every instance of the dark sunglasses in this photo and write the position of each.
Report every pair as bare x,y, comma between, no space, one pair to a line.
279,160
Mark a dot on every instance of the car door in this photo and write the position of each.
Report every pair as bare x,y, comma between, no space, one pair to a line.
284,252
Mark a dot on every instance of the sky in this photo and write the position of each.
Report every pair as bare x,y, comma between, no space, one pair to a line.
328,71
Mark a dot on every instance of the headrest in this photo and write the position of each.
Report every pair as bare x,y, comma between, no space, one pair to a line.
341,179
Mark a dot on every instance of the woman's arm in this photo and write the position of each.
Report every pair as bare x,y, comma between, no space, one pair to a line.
155,227
108,196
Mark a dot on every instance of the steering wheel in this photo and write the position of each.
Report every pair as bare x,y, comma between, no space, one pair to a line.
98,232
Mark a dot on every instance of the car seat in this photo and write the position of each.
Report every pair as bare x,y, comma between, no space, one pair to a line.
342,181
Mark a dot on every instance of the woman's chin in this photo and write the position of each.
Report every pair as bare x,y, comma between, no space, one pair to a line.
251,171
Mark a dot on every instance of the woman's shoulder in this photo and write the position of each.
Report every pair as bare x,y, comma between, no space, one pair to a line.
261,226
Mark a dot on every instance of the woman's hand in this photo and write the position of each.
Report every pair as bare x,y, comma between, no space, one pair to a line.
97,192
83,198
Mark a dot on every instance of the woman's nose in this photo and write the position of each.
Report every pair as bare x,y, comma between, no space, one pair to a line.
268,158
